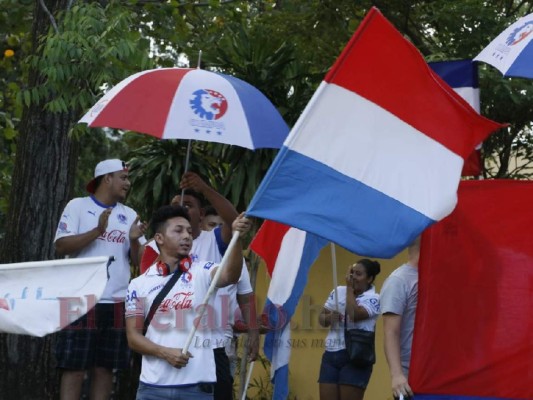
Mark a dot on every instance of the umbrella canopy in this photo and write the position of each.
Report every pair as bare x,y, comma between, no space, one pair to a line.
194,104
512,51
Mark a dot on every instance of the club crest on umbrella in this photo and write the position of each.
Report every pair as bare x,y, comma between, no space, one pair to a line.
520,33
208,104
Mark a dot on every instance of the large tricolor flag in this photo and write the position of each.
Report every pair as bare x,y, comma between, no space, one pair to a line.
462,76
473,335
38,298
377,154
288,253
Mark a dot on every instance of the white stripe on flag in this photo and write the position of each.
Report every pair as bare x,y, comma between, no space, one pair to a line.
287,266
378,137
471,96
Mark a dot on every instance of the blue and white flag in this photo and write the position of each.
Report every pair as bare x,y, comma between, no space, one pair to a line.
377,154
288,253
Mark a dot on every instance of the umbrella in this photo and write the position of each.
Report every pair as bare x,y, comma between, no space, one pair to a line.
191,103
512,51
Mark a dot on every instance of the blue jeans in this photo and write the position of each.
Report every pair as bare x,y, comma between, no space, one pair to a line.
336,368
201,391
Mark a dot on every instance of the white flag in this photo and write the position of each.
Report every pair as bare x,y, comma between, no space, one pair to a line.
38,298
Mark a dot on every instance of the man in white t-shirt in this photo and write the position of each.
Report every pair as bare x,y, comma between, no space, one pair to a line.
167,372
211,245
98,225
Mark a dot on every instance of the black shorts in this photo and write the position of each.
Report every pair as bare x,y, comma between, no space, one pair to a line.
98,339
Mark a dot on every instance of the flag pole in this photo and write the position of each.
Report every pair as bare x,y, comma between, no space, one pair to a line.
334,267
202,308
335,282
189,143
248,376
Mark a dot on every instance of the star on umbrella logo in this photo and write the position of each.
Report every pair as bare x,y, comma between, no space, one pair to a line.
208,104
520,33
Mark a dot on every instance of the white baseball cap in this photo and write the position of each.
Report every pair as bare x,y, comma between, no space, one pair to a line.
105,167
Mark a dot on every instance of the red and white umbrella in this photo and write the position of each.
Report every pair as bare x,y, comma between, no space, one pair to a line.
194,104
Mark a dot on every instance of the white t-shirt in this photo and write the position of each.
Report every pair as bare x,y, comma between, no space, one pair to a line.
81,215
369,300
172,323
209,246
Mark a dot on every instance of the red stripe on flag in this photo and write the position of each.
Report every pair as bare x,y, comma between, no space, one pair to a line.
147,116
408,89
472,165
267,242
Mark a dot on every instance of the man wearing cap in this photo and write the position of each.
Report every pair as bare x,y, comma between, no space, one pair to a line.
94,226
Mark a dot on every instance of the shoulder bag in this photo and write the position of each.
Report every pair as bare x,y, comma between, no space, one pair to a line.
360,345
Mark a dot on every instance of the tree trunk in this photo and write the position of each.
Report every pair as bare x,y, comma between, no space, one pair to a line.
41,184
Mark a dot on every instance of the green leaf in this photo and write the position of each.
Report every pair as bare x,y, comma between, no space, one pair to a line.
27,98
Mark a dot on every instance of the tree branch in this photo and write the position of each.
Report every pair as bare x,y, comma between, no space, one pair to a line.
50,16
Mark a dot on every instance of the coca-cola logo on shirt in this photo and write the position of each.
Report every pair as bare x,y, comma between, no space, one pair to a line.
114,236
180,301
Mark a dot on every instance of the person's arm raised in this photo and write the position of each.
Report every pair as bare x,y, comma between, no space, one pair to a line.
223,206
232,271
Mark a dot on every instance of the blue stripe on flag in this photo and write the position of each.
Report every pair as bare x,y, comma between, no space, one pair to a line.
295,181
460,73
281,388
277,349
257,110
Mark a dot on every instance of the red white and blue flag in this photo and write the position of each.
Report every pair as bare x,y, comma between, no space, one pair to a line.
288,253
376,156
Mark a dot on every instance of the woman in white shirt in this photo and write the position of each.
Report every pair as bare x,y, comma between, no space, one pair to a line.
359,302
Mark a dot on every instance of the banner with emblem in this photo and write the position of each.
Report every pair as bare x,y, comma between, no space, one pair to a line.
39,298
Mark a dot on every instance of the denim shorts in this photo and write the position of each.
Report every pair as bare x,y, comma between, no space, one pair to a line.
336,368
200,391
